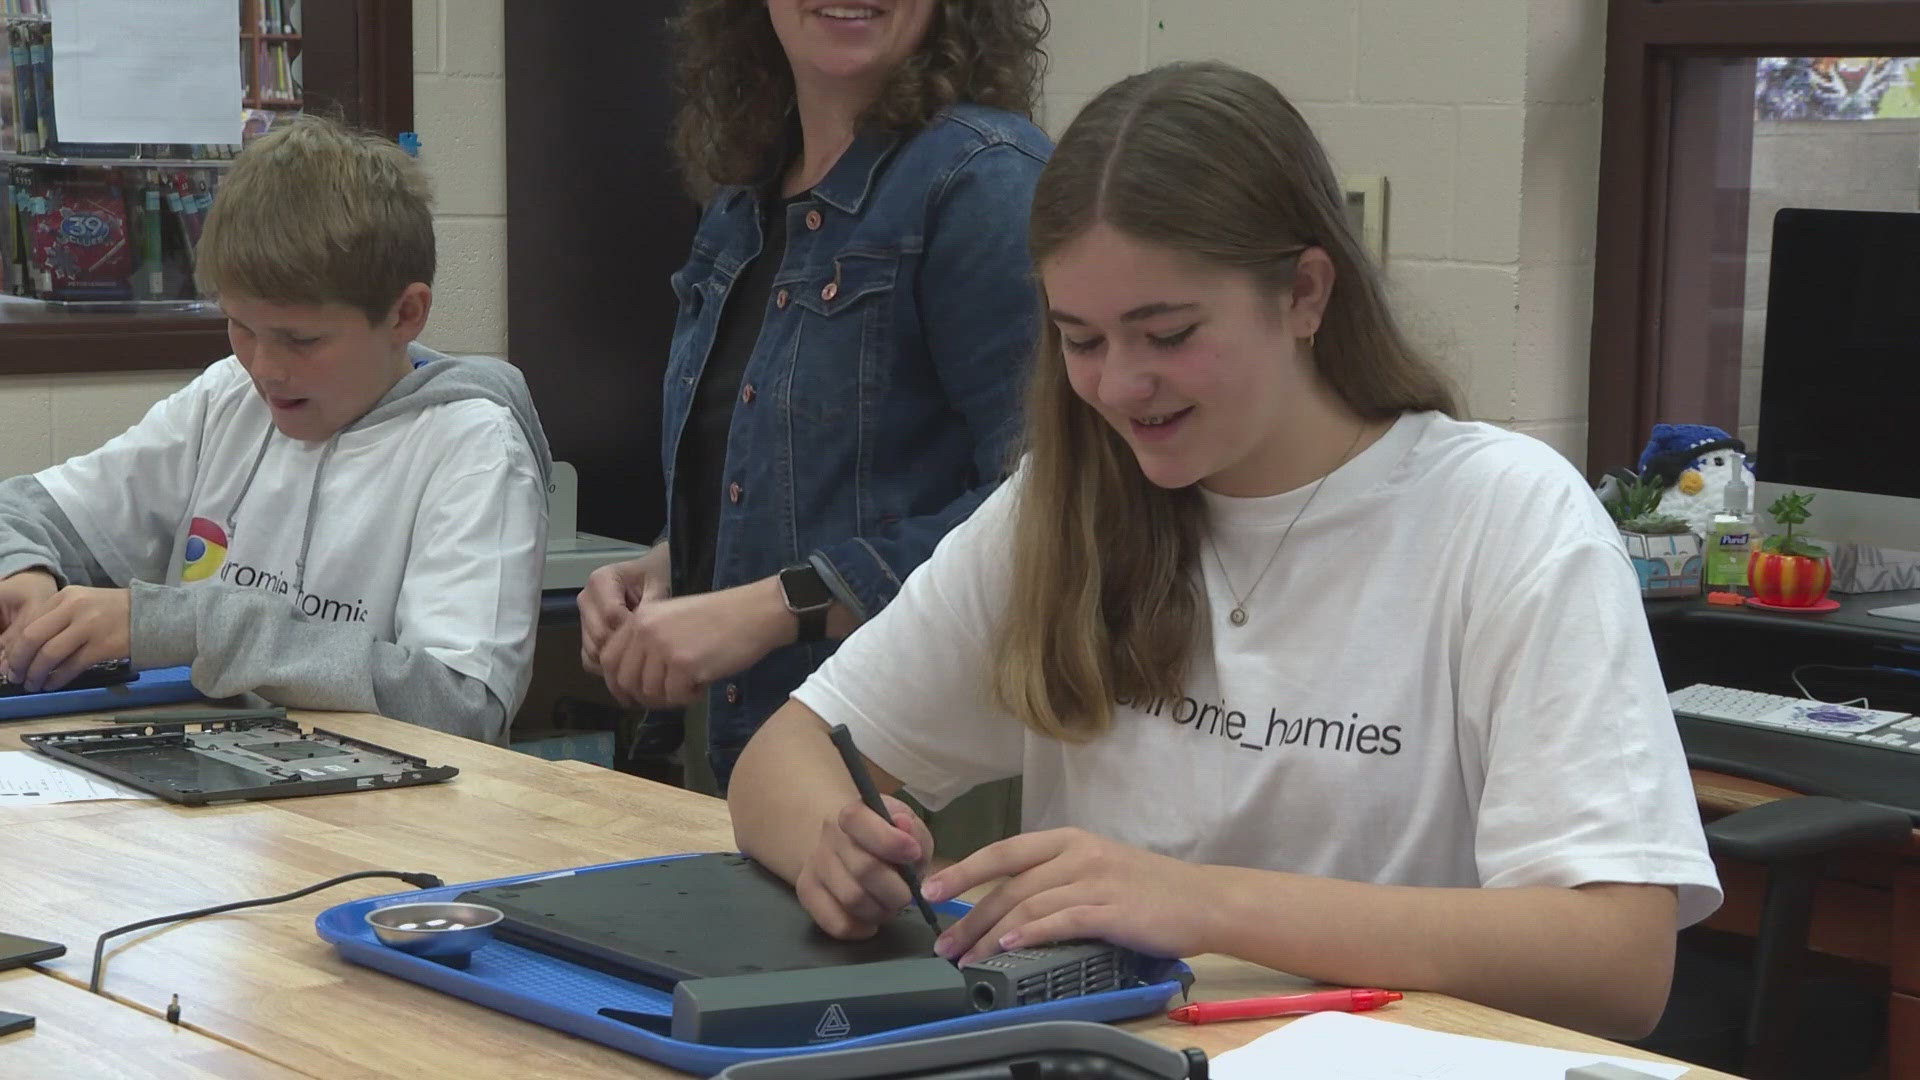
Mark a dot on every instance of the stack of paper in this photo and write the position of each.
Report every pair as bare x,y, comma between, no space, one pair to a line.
28,779
1341,1046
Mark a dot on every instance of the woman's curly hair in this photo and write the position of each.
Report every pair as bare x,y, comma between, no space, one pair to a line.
737,86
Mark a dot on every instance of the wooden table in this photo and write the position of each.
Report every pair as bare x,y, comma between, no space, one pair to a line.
262,981
79,1034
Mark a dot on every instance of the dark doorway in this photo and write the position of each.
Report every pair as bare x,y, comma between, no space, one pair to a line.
596,223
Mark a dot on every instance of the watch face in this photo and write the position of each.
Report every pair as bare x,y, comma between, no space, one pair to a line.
805,591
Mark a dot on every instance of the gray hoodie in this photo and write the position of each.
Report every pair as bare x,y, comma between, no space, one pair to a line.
408,586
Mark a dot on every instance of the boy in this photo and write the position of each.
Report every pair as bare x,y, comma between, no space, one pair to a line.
333,517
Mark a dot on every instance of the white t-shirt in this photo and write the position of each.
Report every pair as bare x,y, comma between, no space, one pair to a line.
1445,679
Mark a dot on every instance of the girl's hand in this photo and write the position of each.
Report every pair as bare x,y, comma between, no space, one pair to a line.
850,882
1069,883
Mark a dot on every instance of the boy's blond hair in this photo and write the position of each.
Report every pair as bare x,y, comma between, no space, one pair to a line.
314,212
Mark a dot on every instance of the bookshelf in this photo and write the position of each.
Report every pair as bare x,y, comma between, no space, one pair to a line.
92,223
270,52
352,58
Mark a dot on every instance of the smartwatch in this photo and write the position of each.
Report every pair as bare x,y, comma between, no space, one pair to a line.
808,598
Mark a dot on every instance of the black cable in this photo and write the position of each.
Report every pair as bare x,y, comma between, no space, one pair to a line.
418,881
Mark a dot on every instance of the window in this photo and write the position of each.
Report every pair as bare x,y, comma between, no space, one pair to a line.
1717,114
358,61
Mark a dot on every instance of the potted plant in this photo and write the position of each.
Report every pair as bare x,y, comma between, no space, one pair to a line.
1788,570
1665,552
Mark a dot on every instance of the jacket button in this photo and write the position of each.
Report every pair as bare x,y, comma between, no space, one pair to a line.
813,219
780,301
733,694
832,290
746,393
733,491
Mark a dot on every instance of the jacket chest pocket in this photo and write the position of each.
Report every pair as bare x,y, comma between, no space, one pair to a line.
844,340
699,289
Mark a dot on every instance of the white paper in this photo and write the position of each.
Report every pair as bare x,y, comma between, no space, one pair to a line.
154,71
1342,1046
30,779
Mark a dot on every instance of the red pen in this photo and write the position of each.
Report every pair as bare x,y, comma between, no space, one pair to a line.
1206,1012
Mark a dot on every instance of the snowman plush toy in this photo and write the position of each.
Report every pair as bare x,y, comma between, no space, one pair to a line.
1694,462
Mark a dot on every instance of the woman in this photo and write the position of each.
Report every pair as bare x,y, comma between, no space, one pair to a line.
854,323
1296,666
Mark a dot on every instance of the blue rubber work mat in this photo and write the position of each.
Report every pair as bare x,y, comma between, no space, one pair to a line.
566,996
158,686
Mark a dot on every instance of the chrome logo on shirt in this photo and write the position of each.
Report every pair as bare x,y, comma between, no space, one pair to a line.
206,550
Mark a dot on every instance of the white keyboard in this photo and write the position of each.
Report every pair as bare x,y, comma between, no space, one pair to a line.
1872,727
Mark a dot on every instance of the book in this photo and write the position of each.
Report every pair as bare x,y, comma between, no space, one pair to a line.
78,240
9,106
40,58
26,105
152,277
12,266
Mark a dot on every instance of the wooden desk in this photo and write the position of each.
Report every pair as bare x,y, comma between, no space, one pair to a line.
1867,909
77,1034
263,981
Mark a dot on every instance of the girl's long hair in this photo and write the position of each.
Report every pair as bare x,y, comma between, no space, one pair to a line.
1208,160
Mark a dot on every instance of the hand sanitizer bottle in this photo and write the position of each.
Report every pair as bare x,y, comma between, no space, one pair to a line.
1731,537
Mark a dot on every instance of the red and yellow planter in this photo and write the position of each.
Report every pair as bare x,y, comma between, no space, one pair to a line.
1788,580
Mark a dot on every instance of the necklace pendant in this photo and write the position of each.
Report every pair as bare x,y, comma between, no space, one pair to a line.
1238,616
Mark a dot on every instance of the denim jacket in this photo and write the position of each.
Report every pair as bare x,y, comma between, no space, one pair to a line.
882,397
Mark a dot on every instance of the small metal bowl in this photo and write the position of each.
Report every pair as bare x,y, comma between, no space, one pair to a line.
434,928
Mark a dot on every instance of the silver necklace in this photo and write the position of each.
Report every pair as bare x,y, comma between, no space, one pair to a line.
1238,616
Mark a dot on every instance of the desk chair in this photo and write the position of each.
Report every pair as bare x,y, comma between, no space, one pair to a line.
1752,1021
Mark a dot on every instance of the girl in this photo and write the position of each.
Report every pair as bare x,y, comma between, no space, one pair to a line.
1297,667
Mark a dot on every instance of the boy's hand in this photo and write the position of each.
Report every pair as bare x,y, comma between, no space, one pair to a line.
1069,883
665,652
611,592
81,627
22,594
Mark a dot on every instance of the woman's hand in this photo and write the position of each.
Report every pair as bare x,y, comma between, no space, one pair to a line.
850,882
611,592
1069,883
667,650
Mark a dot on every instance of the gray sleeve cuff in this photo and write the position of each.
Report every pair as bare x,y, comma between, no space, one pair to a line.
162,620
14,564
253,642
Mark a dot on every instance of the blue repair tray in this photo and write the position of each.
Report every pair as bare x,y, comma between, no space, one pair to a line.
551,991
157,686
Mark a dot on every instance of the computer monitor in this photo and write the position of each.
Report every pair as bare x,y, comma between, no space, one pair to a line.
1840,390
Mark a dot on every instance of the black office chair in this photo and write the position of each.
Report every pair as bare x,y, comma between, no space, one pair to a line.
1758,1019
